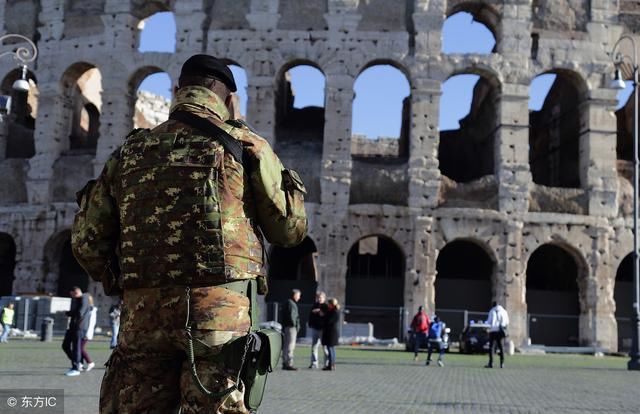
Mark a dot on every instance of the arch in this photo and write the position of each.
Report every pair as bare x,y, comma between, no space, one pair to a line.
81,87
7,264
381,114
151,88
292,268
464,284
474,37
240,77
466,152
23,112
624,131
554,276
555,130
157,33
375,284
61,266
482,12
300,129
623,297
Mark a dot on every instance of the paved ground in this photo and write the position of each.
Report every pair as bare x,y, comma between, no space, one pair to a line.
369,381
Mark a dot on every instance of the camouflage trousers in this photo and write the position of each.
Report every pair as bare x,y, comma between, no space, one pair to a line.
148,371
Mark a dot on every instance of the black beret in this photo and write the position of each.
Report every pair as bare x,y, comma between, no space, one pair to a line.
206,65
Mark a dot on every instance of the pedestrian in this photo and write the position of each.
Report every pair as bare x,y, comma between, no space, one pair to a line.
498,322
114,318
290,326
88,336
78,324
175,225
315,328
436,331
420,328
8,314
331,332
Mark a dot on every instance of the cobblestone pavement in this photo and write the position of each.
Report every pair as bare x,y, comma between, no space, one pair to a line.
377,382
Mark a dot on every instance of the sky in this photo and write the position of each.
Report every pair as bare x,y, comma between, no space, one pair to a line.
379,90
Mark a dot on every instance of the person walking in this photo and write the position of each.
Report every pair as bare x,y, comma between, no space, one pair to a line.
290,326
331,332
498,322
88,336
78,324
174,224
315,328
114,318
8,314
436,330
420,328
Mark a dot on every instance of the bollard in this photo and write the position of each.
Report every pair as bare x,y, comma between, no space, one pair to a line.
46,330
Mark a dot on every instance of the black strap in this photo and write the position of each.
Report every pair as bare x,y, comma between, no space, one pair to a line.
230,144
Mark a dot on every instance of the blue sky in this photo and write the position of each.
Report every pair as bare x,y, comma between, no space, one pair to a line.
379,90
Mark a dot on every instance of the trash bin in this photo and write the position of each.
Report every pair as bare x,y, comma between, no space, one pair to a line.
46,330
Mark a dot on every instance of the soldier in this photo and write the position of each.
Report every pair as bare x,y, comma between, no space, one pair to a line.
176,220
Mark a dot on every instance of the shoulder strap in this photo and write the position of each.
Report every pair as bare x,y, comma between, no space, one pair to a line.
230,144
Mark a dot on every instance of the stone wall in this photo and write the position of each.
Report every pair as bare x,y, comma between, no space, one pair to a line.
410,202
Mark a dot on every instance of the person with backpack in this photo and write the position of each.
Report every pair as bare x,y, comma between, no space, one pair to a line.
420,327
436,329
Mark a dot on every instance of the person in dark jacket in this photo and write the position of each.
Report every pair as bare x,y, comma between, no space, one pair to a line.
290,327
315,327
78,326
331,332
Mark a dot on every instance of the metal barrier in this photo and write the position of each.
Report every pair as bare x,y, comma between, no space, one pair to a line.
553,330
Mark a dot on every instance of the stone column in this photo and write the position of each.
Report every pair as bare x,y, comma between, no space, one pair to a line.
121,27
511,151
424,174
335,179
50,139
190,18
3,4
116,118
420,280
598,326
428,19
510,283
261,105
598,173
263,14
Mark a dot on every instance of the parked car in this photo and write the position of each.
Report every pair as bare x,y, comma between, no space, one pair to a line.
474,338
408,346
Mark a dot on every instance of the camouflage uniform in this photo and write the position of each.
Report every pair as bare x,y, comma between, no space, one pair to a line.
172,209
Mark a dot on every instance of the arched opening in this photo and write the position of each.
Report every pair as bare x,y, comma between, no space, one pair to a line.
22,108
153,97
157,33
82,88
463,33
553,296
375,285
292,268
555,128
465,272
7,264
623,296
300,123
624,144
70,273
381,113
240,76
468,124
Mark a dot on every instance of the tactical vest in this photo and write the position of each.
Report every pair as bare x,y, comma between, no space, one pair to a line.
170,204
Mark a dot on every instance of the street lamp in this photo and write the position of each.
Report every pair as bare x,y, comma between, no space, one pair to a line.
22,55
621,61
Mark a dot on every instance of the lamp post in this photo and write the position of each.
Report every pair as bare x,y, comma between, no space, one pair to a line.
22,55
620,60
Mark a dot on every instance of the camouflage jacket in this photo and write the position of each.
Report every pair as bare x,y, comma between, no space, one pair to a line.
172,207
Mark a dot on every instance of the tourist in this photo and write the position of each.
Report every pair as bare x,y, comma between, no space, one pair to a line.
290,326
420,327
498,322
315,327
7,321
331,333
114,317
436,331
72,343
88,335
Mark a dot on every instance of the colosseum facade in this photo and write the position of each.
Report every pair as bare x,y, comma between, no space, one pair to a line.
529,208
